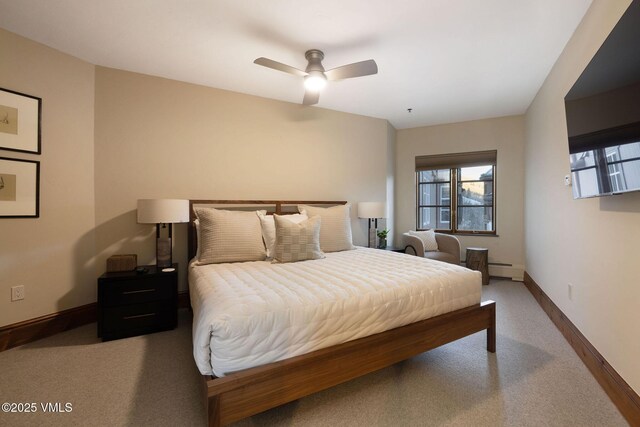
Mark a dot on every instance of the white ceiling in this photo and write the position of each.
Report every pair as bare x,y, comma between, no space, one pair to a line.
449,60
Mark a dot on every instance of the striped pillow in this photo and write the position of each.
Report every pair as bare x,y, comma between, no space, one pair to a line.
297,241
335,233
229,236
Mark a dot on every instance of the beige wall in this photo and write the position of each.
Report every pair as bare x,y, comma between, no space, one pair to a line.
591,243
505,134
158,138
389,222
51,255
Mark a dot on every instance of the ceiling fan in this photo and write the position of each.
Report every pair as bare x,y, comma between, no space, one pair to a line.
315,77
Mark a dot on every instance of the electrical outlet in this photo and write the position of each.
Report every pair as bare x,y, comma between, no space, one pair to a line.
17,293
570,291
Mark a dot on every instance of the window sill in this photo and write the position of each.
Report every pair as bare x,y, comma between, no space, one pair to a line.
465,233
475,234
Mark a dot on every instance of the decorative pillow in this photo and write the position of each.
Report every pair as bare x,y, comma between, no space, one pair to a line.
229,236
335,233
297,241
196,223
428,239
269,228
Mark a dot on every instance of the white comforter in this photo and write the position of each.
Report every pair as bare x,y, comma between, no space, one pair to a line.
253,313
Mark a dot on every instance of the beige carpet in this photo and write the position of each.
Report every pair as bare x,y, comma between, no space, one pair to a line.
535,379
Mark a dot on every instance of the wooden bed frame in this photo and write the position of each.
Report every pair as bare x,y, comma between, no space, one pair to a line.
245,393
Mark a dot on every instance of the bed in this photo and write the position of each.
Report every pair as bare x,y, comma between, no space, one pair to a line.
266,334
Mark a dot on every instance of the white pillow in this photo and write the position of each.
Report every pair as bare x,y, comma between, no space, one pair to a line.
428,239
335,231
269,228
297,241
229,236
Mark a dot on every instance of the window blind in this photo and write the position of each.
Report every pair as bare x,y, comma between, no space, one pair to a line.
456,160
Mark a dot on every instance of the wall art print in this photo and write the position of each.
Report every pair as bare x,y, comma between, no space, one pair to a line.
19,188
20,122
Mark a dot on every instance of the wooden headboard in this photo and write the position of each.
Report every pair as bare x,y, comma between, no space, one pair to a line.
280,207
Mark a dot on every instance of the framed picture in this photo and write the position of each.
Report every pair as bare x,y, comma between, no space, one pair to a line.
19,188
19,122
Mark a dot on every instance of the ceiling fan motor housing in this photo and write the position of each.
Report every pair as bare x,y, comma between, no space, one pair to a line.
315,57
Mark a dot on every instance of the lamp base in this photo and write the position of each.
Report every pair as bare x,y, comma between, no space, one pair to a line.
372,237
163,252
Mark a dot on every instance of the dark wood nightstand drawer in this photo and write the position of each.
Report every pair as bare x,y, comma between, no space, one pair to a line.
132,304
137,291
139,317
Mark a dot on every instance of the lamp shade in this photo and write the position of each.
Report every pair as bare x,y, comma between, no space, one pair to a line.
371,210
162,211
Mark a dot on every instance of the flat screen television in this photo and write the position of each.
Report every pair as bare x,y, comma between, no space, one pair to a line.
603,115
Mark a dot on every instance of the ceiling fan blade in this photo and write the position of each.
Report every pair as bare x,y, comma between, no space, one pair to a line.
311,97
357,69
269,63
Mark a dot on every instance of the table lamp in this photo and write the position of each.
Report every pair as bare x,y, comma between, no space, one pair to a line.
372,211
162,212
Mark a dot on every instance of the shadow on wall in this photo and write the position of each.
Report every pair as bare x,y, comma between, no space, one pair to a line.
83,288
120,234
123,235
303,113
628,202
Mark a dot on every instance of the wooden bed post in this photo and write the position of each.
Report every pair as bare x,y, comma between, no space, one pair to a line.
211,403
491,330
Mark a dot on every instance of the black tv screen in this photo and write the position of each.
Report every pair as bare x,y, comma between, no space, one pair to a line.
603,115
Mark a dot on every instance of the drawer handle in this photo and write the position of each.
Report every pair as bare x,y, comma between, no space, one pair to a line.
138,316
139,292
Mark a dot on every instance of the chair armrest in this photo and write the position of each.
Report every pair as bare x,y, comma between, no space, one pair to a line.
415,242
449,244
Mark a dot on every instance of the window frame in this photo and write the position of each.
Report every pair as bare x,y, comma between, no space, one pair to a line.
442,187
454,206
438,193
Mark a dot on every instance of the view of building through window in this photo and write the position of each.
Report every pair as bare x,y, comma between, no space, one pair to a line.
472,204
613,169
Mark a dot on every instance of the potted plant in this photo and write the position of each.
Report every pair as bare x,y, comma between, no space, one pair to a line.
382,238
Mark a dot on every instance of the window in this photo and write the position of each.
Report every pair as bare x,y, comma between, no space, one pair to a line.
434,190
455,192
445,197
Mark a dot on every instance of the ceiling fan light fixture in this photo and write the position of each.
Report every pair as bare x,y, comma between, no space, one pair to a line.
315,81
315,76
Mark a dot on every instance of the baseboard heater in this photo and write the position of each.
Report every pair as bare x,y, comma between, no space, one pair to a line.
501,264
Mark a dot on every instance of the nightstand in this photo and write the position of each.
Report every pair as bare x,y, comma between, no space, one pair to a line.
478,259
134,304
393,249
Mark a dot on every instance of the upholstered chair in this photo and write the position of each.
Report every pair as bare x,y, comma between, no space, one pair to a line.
448,248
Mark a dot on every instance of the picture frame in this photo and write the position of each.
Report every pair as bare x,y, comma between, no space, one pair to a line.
20,122
19,188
